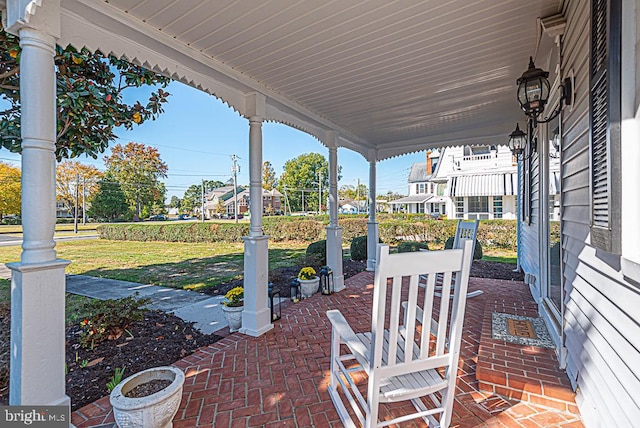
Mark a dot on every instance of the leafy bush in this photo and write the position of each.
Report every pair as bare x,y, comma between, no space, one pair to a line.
317,253
477,251
108,319
491,233
359,248
412,246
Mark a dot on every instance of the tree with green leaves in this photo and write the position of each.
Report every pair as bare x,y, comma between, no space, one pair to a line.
110,201
76,182
356,193
193,195
174,202
10,190
268,176
90,98
302,174
138,169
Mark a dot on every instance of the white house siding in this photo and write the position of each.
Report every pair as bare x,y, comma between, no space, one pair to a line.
602,335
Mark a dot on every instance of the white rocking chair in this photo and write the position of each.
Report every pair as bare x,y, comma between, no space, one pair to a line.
466,230
399,357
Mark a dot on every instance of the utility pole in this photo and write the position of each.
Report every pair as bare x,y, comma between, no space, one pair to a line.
202,200
358,196
84,204
286,201
75,208
319,192
235,169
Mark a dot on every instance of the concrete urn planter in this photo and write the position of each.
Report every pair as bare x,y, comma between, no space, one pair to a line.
233,314
153,411
309,286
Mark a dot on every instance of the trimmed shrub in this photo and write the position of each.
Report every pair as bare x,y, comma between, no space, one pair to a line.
477,251
317,253
412,246
359,248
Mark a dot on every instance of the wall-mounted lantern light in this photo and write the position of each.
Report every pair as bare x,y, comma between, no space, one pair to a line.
533,93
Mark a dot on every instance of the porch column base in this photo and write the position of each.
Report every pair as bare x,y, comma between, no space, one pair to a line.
372,245
334,256
256,317
38,333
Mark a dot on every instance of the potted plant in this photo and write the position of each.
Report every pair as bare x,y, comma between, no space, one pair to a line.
232,308
308,281
149,398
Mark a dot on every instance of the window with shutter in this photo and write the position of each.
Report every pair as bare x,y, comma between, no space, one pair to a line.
604,85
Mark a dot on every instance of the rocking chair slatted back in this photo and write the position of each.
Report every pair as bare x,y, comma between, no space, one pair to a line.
398,356
403,328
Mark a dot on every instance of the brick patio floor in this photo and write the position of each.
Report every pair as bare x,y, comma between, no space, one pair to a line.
280,379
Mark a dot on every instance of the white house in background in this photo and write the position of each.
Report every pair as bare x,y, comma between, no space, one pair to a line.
467,182
424,195
480,182
352,207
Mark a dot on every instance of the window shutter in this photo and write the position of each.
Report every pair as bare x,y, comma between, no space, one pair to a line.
604,84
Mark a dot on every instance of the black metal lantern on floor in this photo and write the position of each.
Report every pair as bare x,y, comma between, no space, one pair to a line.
273,294
295,291
326,280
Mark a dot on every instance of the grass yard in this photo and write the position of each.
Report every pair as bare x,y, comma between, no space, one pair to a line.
179,265
67,227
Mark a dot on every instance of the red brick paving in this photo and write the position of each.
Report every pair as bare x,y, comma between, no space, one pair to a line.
280,379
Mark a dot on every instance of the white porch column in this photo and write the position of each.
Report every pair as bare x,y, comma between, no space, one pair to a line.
256,317
372,225
334,232
37,282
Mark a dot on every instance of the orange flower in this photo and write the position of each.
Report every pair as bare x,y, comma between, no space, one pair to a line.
137,118
13,53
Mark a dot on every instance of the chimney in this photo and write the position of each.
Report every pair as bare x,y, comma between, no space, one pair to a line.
429,163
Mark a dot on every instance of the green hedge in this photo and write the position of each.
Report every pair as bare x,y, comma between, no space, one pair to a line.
391,229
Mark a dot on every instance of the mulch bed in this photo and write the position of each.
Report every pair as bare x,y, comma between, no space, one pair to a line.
162,339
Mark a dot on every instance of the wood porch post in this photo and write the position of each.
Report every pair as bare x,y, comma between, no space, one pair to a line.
334,232
256,317
372,225
37,282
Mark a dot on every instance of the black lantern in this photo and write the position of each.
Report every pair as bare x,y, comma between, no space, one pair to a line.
295,292
533,90
533,93
273,294
326,280
517,141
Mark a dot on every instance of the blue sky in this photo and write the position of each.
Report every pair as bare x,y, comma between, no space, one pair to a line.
197,134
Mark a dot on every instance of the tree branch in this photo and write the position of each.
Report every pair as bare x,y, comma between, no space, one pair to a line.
10,72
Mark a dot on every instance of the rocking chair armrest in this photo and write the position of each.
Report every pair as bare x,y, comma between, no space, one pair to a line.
348,337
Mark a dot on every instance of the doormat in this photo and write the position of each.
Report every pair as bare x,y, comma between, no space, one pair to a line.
524,331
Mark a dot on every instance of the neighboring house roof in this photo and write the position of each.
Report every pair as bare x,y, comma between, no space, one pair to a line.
419,172
412,199
484,184
272,192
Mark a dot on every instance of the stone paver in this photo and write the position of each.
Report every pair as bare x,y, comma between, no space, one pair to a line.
280,379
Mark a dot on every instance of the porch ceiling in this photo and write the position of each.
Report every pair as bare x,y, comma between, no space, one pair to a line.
395,76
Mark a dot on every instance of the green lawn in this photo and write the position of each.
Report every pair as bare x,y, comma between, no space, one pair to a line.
17,229
191,266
